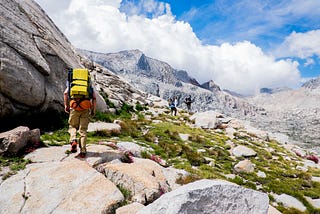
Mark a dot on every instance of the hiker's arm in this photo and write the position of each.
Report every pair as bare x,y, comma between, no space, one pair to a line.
66,101
94,104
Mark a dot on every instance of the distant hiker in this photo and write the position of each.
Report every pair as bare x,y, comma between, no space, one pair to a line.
176,102
188,102
172,107
79,103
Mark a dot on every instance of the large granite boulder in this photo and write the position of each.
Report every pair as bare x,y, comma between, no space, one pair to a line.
207,120
143,178
243,151
34,57
210,196
14,141
58,183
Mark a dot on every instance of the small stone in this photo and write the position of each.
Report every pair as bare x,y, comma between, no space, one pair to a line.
261,174
244,166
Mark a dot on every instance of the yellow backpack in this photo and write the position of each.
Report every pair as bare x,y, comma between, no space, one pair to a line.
79,83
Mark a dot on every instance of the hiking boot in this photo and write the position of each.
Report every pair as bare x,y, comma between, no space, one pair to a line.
74,146
82,154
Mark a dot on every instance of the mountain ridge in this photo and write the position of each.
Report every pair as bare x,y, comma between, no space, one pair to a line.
265,110
164,81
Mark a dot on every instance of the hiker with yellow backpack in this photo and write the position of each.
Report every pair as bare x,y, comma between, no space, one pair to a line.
79,103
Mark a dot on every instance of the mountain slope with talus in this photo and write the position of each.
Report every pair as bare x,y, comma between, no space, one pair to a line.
160,79
294,113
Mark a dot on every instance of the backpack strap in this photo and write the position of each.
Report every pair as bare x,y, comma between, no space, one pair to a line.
69,81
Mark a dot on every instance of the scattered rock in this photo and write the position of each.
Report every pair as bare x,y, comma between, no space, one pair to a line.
184,137
243,151
313,158
14,141
252,131
230,176
314,202
134,148
130,208
244,166
206,120
103,126
156,101
298,151
172,175
289,201
309,163
236,124
261,174
273,210
302,168
146,184
210,196
315,179
287,158
230,132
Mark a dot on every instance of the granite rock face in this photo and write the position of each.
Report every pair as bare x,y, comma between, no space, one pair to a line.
34,57
61,185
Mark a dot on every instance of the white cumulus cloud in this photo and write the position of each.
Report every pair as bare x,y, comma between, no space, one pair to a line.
302,45
100,26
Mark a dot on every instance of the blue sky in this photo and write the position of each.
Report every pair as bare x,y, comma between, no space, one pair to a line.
242,45
264,23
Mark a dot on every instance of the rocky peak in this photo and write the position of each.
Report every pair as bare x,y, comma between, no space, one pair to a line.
184,77
312,84
143,63
211,86
134,62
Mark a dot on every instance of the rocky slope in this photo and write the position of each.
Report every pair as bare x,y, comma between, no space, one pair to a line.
114,178
295,113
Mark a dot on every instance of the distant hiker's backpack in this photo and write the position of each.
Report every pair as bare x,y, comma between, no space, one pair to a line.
171,104
188,100
79,88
